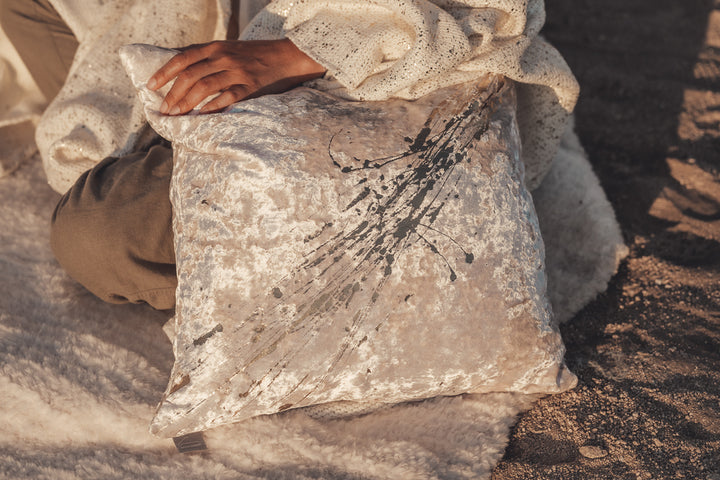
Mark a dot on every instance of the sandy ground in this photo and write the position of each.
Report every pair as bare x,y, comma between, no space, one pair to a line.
648,351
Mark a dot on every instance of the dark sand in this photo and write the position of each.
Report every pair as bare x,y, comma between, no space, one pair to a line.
647,352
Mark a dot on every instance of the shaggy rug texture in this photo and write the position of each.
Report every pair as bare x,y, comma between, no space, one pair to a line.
79,379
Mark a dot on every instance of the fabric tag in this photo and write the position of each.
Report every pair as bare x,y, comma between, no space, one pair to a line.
192,442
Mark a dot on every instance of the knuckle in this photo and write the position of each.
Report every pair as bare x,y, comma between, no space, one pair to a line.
183,76
184,105
178,60
237,94
171,97
253,85
224,62
231,96
206,83
184,80
216,46
240,79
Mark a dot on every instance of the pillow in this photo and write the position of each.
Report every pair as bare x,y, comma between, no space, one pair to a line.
330,250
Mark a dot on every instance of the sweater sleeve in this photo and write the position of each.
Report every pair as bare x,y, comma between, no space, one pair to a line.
377,49
373,48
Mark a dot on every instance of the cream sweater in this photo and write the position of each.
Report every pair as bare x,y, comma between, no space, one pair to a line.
373,50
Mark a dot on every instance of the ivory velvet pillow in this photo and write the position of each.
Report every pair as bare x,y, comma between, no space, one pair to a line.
330,250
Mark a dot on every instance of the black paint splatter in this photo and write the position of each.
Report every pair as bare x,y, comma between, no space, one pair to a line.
204,338
358,259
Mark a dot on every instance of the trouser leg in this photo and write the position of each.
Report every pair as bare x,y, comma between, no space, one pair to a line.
112,231
42,39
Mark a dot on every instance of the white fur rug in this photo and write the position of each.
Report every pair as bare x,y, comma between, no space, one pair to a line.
79,380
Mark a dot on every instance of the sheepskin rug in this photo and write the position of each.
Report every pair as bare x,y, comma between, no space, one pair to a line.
80,379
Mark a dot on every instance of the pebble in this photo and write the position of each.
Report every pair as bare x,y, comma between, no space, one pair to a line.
591,451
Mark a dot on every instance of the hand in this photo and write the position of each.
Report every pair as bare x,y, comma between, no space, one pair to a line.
236,70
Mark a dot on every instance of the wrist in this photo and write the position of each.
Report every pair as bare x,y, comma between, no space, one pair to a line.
302,64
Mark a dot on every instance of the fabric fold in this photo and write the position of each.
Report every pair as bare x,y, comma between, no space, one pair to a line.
373,50
410,48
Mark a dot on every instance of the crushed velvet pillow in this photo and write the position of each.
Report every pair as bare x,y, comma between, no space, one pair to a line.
330,250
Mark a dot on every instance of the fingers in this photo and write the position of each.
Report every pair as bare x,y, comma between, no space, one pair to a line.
226,84
200,72
230,72
225,99
192,86
178,63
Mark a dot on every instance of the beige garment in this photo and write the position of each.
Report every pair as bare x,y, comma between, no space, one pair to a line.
379,49
20,101
247,9
96,114
373,50
43,41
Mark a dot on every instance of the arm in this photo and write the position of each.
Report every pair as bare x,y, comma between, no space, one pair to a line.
235,70
406,41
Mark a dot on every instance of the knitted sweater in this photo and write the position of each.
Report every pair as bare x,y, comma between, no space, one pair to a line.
373,50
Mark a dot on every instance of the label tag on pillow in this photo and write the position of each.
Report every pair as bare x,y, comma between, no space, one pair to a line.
192,442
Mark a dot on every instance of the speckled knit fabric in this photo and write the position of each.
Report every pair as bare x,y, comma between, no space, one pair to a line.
96,114
408,48
373,50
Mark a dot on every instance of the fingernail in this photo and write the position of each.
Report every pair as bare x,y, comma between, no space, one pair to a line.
152,83
175,110
164,107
